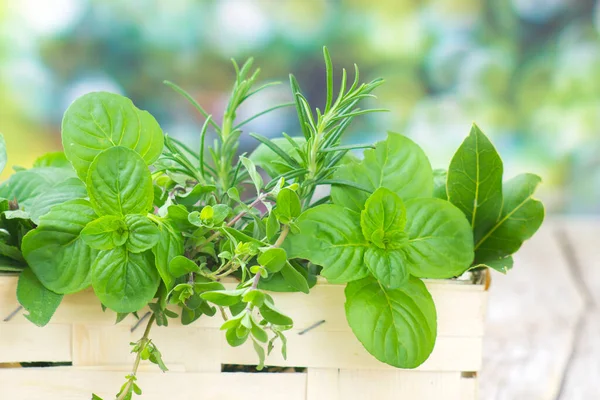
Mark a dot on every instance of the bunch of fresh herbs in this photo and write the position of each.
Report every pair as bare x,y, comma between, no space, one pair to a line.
146,220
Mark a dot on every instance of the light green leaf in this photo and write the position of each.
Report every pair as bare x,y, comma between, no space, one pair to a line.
143,233
124,281
180,266
521,217
170,245
40,302
27,185
387,266
254,175
273,259
330,236
383,219
440,177
119,183
397,326
288,205
475,182
272,226
272,314
105,233
397,164
55,250
69,189
440,239
100,120
224,297
56,159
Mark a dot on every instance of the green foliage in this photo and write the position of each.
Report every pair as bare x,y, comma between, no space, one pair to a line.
165,224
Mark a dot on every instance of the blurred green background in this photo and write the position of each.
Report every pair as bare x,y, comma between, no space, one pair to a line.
526,71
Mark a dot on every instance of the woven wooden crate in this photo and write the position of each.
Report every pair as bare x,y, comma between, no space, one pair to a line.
336,365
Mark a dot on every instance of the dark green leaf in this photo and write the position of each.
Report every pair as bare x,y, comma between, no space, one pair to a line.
475,182
440,177
521,217
170,244
294,278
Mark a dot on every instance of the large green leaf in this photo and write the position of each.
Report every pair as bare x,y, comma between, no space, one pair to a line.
475,182
143,233
330,236
123,281
28,184
55,251
397,163
387,266
440,239
398,327
40,302
119,183
170,245
521,217
105,233
99,120
69,189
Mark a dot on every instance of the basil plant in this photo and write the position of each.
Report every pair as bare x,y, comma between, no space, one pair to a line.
146,220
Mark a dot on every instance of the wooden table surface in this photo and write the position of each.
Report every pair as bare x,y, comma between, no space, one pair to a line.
543,326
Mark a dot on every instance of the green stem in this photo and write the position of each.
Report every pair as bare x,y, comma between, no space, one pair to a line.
138,358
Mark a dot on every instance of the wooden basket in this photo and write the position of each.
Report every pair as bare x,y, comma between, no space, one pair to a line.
336,366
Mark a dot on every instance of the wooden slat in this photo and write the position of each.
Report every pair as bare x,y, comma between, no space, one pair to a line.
77,384
583,243
532,316
322,349
323,383
366,384
26,342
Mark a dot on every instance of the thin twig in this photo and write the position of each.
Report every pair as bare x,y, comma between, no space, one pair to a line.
12,314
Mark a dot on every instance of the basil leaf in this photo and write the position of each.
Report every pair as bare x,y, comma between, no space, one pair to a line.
69,189
440,241
36,298
502,265
397,163
143,233
55,250
330,236
288,206
180,266
100,120
170,245
273,259
440,177
105,233
124,281
119,183
521,217
27,185
294,278
397,326
383,219
388,266
475,182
